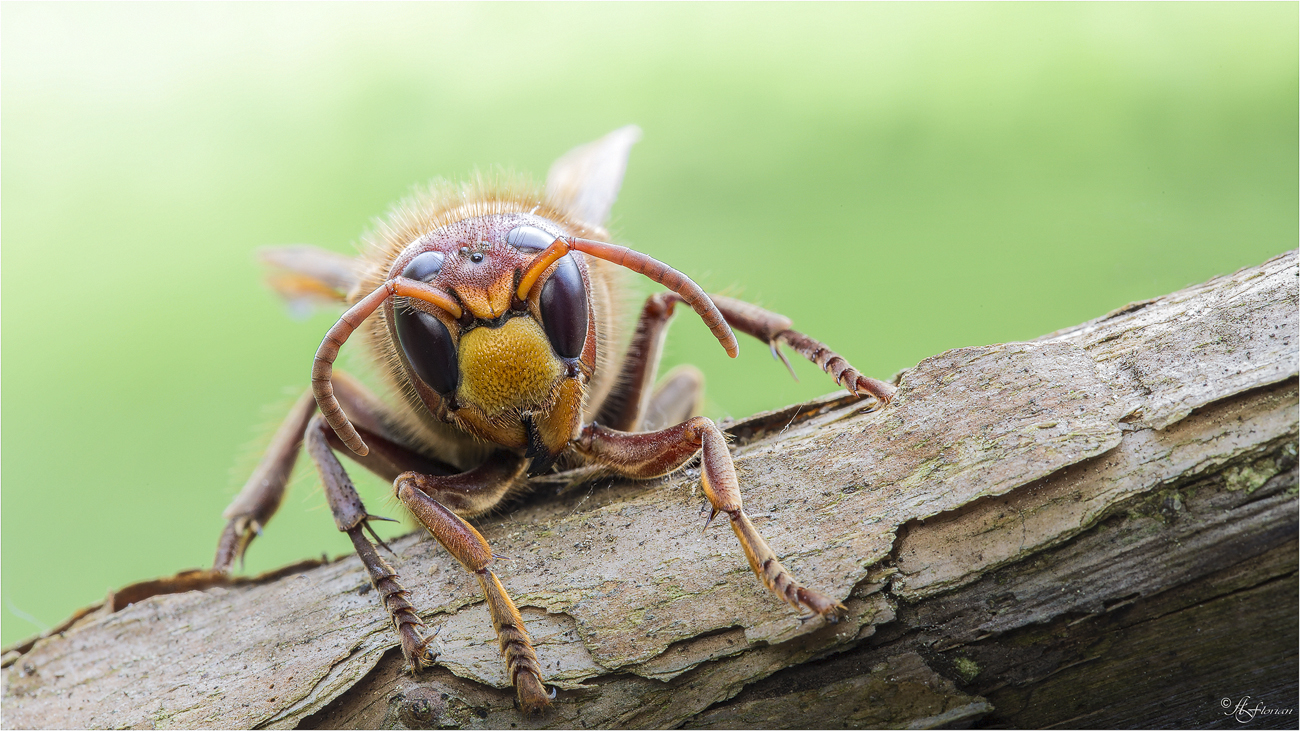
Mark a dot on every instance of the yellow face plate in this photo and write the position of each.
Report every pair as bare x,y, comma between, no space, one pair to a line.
507,368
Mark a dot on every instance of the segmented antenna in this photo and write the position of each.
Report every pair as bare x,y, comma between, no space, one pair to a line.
656,270
322,368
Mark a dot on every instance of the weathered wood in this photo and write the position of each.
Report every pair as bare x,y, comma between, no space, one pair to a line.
1157,642
1028,533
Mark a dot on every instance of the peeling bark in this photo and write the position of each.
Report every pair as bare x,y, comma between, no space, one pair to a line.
1097,528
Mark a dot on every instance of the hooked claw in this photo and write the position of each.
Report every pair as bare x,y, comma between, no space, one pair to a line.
865,385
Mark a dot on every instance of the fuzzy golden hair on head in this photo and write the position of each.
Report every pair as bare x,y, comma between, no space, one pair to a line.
441,204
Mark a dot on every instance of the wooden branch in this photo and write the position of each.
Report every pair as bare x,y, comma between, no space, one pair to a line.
1097,528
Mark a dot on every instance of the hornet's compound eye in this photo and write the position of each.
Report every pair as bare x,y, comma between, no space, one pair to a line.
564,308
529,238
424,267
428,348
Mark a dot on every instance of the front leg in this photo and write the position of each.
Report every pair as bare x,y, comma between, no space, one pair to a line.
350,517
652,454
428,498
250,511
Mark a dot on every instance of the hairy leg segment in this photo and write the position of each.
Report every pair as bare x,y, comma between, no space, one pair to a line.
651,454
625,408
608,439
430,489
428,498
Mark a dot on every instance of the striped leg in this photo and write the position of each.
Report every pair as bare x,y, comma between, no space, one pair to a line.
772,329
428,497
351,517
652,454
253,508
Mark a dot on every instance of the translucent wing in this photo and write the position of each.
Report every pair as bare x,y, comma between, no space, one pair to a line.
307,277
585,181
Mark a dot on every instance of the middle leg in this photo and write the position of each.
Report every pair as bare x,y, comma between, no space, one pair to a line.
626,407
651,454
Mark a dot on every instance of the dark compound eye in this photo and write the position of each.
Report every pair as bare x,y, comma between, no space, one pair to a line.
529,238
424,267
564,308
428,349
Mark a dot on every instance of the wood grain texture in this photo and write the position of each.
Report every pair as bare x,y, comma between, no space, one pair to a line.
1006,489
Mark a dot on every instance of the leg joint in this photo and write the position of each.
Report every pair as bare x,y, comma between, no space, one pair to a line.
695,427
662,303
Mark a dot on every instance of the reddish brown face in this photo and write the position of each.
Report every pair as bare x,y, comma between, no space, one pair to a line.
504,358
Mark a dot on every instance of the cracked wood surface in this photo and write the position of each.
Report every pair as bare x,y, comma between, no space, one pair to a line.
988,459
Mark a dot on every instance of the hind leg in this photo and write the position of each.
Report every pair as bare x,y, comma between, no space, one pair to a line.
678,397
257,502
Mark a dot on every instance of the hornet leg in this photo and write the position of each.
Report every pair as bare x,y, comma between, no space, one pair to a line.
651,454
253,508
431,498
624,406
350,516
628,406
772,329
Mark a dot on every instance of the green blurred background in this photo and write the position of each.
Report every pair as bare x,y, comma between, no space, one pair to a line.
900,179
